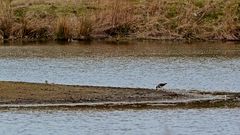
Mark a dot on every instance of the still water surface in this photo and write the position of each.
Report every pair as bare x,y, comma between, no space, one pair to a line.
208,66
129,122
202,66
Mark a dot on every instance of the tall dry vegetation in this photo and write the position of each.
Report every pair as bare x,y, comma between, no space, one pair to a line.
121,15
85,27
148,19
192,19
62,29
25,27
6,19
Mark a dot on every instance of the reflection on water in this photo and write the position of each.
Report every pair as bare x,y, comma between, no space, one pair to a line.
208,66
154,122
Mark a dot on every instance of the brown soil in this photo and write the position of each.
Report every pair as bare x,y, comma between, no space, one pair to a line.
21,93
24,93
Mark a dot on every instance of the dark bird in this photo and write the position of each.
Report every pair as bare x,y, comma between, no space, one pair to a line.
160,85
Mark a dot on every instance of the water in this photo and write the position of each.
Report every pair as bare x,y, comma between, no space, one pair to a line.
202,66
130,122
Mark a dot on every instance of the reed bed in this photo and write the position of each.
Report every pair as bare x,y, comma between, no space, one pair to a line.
114,19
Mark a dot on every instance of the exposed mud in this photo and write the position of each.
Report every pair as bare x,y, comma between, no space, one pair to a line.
34,95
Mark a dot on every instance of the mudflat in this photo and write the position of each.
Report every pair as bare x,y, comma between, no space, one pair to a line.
22,93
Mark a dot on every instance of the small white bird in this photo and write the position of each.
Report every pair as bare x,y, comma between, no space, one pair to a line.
160,85
225,97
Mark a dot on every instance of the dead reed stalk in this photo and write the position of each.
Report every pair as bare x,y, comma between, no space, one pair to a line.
63,28
6,19
85,27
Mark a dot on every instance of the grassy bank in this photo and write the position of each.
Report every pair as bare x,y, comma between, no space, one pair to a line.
117,19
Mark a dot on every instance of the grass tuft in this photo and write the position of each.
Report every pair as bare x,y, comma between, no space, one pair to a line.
63,31
85,28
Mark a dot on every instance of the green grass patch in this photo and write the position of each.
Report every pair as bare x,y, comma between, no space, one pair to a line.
43,10
20,12
199,3
174,9
213,15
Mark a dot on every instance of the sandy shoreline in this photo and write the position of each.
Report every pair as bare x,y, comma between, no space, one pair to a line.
36,95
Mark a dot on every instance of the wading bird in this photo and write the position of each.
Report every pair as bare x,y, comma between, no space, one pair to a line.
160,85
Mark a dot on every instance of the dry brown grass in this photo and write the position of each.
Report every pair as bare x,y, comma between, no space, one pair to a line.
117,20
6,19
63,31
12,27
149,19
85,27
192,19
